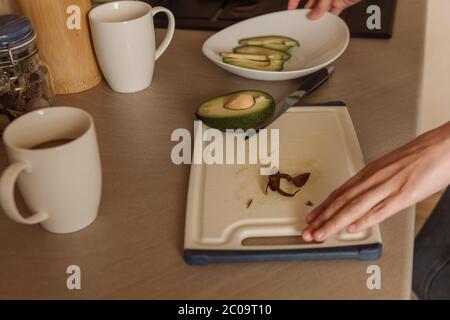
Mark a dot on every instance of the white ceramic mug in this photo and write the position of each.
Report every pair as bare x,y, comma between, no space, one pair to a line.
60,184
124,39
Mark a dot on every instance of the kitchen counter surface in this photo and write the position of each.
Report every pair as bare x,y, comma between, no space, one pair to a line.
134,249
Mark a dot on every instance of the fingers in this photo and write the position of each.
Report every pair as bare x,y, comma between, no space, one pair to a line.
363,181
293,4
320,9
353,211
378,191
333,196
329,212
337,11
379,213
322,6
310,4
360,187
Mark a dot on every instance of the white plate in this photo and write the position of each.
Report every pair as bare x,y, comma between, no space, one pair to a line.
322,41
319,140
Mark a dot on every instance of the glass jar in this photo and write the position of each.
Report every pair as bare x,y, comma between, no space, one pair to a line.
24,81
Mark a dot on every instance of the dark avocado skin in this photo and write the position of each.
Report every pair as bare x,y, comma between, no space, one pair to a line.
244,122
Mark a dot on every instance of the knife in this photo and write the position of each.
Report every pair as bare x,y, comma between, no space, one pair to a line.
312,82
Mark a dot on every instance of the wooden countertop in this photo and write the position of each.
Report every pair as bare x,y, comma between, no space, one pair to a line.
134,249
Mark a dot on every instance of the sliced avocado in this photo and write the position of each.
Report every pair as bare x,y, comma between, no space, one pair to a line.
273,65
262,51
276,56
256,57
215,114
247,62
269,40
292,43
276,46
277,62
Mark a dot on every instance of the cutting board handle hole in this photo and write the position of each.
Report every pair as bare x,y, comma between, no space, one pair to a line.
276,241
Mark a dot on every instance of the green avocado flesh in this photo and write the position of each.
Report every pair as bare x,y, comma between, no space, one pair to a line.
214,114
271,42
261,53
276,46
270,65
255,57
255,50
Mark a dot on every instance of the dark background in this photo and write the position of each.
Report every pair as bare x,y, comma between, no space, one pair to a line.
218,14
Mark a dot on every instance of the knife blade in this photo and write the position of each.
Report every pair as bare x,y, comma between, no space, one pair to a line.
311,83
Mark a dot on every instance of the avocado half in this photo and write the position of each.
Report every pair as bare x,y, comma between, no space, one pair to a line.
214,113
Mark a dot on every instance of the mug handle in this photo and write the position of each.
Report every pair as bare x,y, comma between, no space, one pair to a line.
170,30
7,184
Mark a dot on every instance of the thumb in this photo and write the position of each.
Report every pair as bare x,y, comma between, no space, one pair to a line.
293,4
320,9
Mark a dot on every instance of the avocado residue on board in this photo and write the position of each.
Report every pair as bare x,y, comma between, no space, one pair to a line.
275,181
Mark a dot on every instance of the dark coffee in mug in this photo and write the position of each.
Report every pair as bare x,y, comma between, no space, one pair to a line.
51,144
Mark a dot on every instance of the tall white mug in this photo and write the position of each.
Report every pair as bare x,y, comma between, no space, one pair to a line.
55,161
124,40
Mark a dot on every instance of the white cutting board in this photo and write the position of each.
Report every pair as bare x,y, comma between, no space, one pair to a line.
319,140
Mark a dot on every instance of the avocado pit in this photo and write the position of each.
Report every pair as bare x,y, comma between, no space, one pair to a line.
240,101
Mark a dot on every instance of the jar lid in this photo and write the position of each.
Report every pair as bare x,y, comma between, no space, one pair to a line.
14,31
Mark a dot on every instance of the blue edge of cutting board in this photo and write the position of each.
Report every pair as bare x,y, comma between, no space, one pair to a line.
358,252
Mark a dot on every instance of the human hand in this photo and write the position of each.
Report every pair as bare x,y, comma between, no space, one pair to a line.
386,186
319,7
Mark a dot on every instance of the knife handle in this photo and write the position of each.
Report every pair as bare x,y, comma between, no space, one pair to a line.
314,80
